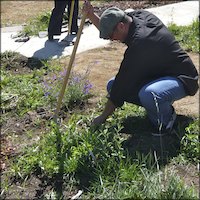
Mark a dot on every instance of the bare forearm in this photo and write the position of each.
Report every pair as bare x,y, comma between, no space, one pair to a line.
108,110
89,10
94,19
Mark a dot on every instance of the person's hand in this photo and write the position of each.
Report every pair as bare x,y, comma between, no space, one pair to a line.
88,8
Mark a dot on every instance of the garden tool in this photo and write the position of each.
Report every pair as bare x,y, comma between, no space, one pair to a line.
60,97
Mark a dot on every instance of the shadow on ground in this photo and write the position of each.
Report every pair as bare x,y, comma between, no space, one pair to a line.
17,63
140,139
52,49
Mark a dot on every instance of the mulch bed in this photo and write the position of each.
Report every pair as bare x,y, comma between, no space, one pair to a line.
99,8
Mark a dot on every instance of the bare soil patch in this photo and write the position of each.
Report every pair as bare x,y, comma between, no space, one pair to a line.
99,7
19,12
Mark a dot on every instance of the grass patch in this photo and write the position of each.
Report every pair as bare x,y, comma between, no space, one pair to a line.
188,36
38,87
98,162
190,143
37,24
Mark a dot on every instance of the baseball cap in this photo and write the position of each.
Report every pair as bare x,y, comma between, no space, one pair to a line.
108,20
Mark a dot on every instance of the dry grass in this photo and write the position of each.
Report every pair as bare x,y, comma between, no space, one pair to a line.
19,12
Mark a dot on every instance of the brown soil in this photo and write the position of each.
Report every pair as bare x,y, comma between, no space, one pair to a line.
99,7
24,10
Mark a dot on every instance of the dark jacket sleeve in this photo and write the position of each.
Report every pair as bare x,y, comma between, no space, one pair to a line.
124,87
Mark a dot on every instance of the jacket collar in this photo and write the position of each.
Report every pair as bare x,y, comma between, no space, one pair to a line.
131,32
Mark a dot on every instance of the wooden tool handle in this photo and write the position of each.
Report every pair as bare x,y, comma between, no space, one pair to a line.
66,78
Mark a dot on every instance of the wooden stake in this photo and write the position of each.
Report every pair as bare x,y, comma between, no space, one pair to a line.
69,67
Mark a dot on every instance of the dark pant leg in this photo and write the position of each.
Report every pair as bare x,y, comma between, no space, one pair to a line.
74,27
55,23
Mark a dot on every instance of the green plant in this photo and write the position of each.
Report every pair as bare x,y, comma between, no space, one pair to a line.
140,183
39,23
176,189
77,91
10,59
74,149
21,92
188,36
24,92
190,142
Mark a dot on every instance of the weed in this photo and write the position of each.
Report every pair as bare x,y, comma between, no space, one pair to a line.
10,59
140,183
21,91
34,90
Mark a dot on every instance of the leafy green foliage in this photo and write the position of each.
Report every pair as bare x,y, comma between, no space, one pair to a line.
188,36
77,91
39,23
23,91
190,142
98,157
38,88
73,146
14,61
9,59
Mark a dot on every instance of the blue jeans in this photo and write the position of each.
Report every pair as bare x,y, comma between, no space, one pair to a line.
157,98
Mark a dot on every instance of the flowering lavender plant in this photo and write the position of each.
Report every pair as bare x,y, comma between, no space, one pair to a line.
78,90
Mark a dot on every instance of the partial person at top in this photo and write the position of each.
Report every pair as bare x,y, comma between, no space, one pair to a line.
56,19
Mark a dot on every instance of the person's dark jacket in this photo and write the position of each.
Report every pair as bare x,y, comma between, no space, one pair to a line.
152,53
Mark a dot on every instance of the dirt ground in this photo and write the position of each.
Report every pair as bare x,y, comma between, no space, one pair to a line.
24,10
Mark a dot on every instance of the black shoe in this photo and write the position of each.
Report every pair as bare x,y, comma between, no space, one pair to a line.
169,127
74,31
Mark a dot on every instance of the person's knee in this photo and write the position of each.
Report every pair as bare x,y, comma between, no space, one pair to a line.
109,85
146,97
